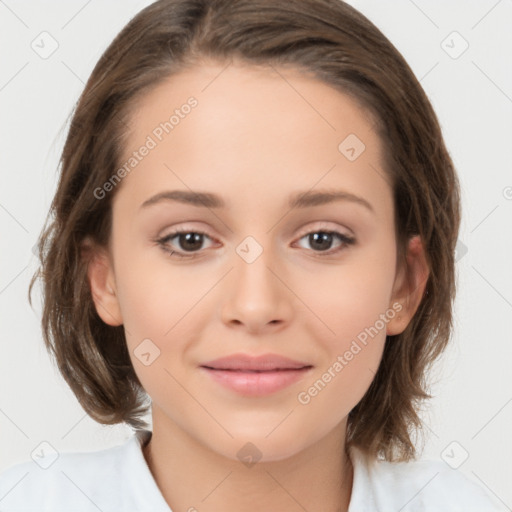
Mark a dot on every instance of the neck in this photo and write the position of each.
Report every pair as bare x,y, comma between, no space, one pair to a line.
192,477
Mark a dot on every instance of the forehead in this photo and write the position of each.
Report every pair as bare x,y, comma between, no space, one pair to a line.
256,129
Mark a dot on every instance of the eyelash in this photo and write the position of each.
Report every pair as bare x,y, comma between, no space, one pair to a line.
163,241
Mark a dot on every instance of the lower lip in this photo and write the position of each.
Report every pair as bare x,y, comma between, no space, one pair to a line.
256,383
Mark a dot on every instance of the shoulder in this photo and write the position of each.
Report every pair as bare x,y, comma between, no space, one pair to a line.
417,486
87,480
52,479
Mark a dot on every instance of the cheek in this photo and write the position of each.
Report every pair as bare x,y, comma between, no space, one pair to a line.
352,297
353,302
166,304
356,310
154,292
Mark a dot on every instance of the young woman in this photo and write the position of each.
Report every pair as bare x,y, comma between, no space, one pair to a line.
253,234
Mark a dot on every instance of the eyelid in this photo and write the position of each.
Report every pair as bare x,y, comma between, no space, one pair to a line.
324,226
179,230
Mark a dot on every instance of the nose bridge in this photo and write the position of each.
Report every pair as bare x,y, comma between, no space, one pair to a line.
255,255
256,296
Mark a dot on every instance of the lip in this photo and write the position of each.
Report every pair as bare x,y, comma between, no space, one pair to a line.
265,362
255,375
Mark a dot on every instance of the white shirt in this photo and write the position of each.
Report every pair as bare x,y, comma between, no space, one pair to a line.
118,479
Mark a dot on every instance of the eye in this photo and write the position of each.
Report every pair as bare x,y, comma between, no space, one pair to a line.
191,242
321,241
187,240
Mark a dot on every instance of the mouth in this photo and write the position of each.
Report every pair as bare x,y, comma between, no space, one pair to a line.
255,376
262,363
254,371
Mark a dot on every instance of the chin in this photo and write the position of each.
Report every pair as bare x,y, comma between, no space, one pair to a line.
258,448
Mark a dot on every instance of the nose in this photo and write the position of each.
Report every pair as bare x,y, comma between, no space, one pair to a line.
256,296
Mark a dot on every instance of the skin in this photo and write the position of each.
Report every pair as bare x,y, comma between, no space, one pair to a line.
255,137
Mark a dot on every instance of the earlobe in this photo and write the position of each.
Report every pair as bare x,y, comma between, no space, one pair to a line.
102,283
409,286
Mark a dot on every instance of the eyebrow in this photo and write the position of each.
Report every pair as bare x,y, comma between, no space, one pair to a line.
297,200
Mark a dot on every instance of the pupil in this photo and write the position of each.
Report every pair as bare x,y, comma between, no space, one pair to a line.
187,241
320,240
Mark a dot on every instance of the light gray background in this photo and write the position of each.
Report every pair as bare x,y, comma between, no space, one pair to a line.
472,95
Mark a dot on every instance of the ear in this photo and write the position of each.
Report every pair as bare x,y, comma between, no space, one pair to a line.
409,287
102,284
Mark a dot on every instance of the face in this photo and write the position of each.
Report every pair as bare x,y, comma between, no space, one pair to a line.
264,265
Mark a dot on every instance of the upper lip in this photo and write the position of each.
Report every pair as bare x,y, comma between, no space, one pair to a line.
265,362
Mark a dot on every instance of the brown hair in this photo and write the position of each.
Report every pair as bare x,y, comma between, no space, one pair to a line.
340,47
